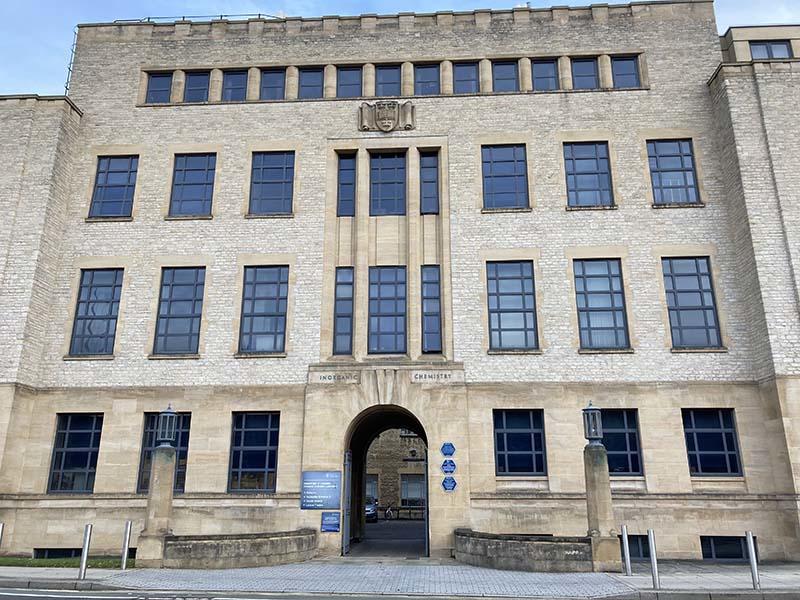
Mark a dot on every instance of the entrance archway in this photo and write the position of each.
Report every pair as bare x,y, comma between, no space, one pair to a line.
363,431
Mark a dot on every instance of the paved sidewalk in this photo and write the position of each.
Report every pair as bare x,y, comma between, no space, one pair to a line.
703,576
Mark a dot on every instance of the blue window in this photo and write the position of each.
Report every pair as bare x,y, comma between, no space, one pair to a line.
711,442
728,548
588,174
770,49
192,185
584,74
466,78
431,310
519,442
159,88
264,305
621,439
387,194
625,71
387,310
692,308
234,86
429,182
254,451
387,80
149,444
348,82
672,171
426,80
505,76
601,304
95,324
512,306
545,75
196,86
343,311
272,183
311,82
346,193
273,84
505,177
114,186
180,308
75,453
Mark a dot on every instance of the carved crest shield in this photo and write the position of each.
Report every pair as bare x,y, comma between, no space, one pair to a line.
387,115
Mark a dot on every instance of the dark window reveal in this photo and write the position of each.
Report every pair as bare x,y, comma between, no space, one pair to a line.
159,88
311,82
149,443
621,439
545,75
192,185
272,183
588,174
519,442
273,84
505,76
505,177
180,309
343,311
75,453
95,324
584,74
254,451
601,304
387,190
196,86
692,308
387,310
264,306
466,79
711,441
348,82
346,195
429,182
625,71
512,306
426,80
387,80
431,310
234,86
114,186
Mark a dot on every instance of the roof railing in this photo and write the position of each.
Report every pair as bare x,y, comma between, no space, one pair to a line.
200,17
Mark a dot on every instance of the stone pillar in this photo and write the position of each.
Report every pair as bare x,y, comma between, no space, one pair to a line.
525,75
178,85
292,82
407,79
446,77
368,80
485,73
565,73
604,70
600,511
253,83
215,85
329,86
157,525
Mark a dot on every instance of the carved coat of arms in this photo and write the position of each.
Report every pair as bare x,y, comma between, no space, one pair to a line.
386,116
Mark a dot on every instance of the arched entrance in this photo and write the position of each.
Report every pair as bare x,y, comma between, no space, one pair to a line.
363,431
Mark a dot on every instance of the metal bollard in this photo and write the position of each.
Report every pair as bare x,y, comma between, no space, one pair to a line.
626,551
651,542
87,538
751,552
2,527
126,543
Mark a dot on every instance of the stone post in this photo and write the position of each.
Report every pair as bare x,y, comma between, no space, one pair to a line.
600,511
157,525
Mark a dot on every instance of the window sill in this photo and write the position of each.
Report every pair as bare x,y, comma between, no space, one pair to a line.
605,351
260,355
720,477
719,350
679,205
583,208
534,351
513,477
108,219
85,357
491,211
188,217
173,357
625,477
270,216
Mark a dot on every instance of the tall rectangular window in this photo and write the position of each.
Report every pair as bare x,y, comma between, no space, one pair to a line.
75,453
505,76
387,184
180,309
234,86
466,79
588,173
192,185
429,182
387,310
272,183
505,176
196,86
311,82
519,442
621,439
672,171
95,324
273,84
412,490
625,71
431,309
149,443
770,49
585,74
426,80
512,306
254,452
346,186
159,88
691,304
387,80
711,443
600,298
343,311
264,306
545,75
114,186
348,82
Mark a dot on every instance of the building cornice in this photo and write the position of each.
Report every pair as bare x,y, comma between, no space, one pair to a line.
38,98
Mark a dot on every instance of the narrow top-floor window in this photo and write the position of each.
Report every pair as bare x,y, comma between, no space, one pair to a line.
465,78
159,88
311,82
234,86
625,71
346,192
426,80
387,80
585,74
770,49
545,75
273,84
196,86
505,76
348,82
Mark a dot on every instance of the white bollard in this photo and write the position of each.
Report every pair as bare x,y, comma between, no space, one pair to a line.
651,542
626,551
126,543
751,553
87,538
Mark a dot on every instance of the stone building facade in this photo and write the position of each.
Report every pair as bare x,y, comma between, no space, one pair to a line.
146,175
395,474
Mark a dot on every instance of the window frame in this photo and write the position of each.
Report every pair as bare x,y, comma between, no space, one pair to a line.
571,172
210,157
627,430
281,71
316,91
194,315
92,452
555,78
388,68
531,334
228,73
426,273
188,90
489,177
99,189
770,47
149,431
472,64
380,314
280,298
708,544
583,60
420,85
496,78
429,174
342,314
671,293
287,183
657,192
637,75
375,158
242,448
116,292
340,86
405,483
340,199
583,296
533,431
724,431
150,93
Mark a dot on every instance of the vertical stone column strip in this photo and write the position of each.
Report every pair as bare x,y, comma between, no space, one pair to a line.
485,68
565,72
599,510
215,86
446,77
414,244
795,42
253,83
330,81
407,79
525,75
178,83
368,80
292,82
361,252
157,524
144,79
604,68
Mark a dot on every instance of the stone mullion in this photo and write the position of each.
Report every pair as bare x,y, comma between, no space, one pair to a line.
361,253
413,276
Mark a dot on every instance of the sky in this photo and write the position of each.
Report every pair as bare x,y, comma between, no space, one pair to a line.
36,35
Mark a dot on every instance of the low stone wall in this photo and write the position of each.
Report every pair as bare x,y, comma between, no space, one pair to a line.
521,552
235,551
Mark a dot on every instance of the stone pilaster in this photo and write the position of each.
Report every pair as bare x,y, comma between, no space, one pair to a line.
599,510
157,525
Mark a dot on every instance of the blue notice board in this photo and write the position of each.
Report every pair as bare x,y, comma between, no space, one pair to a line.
321,490
330,522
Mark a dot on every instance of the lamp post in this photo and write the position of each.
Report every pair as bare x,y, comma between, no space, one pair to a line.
593,424
166,427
